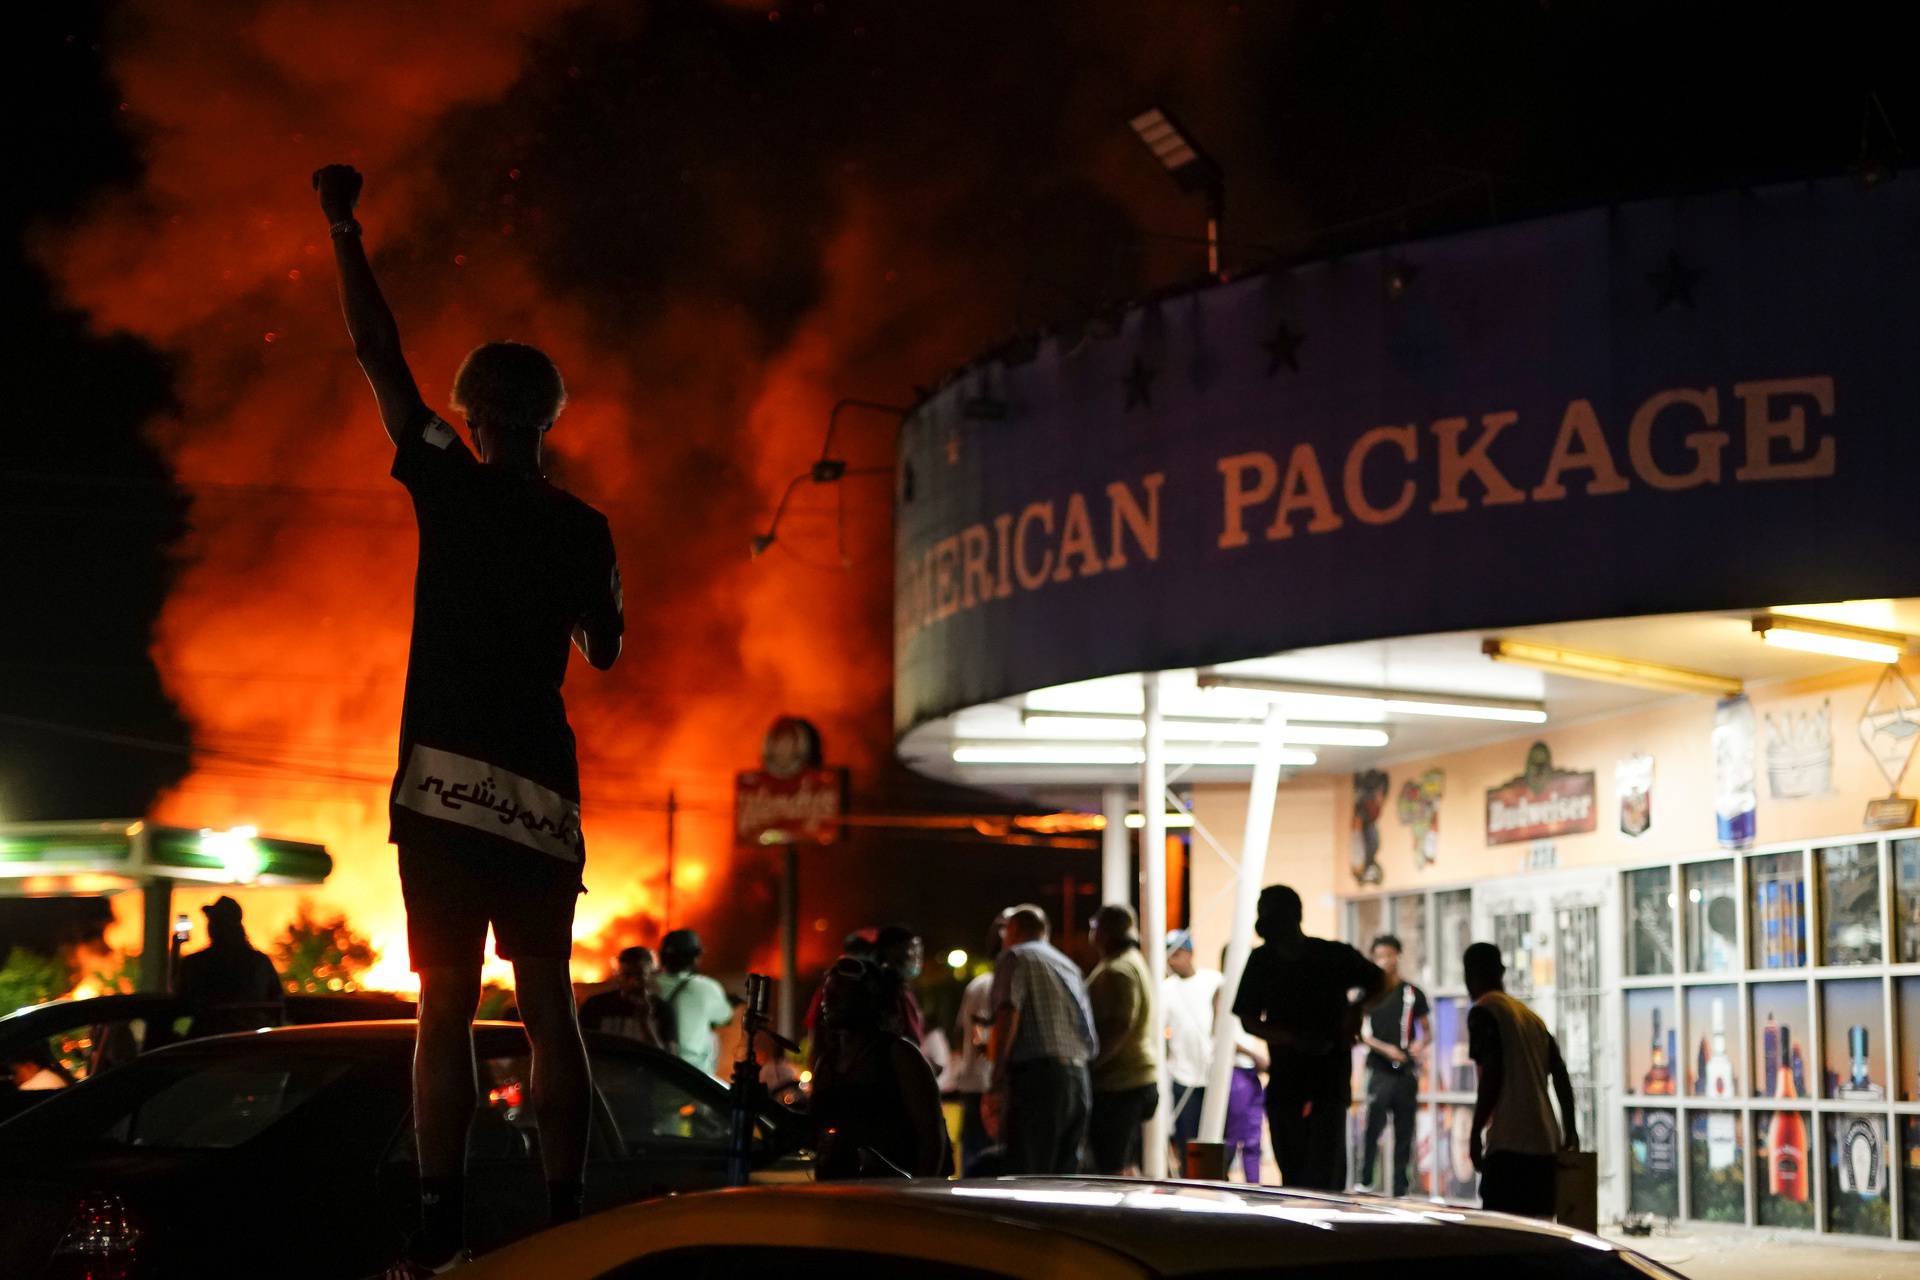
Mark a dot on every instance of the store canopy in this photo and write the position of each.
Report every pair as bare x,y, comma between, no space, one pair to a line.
98,857
1683,406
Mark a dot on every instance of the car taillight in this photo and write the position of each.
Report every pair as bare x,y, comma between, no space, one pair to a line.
103,1242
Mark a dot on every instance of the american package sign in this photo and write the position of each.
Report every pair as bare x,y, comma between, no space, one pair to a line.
1647,408
1540,803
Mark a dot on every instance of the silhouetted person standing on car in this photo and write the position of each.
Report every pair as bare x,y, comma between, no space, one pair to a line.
229,985
485,805
1514,1138
1297,996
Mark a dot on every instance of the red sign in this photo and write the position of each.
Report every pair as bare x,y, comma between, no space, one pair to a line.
802,809
1542,802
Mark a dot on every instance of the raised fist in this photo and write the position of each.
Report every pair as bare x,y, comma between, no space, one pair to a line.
339,188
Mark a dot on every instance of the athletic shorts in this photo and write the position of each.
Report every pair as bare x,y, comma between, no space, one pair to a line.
452,897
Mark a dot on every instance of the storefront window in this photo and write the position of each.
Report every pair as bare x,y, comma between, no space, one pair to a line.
1712,916
1906,898
1783,1185
1853,1061
1453,929
1367,920
1906,1017
1650,922
1457,1179
1910,1175
1858,1201
1713,1031
1778,1013
1513,934
1652,1042
1716,1167
1453,1069
1849,904
1653,1172
1410,926
1777,911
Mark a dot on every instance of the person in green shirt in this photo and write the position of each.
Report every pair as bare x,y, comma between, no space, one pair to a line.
696,1004
1126,1086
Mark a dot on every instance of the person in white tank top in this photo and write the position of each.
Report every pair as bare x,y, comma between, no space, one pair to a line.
1514,1136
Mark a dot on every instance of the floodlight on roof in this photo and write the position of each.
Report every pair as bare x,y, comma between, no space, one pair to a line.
1191,168
1177,152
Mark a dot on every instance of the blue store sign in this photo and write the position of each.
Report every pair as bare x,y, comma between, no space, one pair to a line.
1679,405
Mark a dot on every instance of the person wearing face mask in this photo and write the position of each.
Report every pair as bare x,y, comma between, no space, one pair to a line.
898,947
876,1106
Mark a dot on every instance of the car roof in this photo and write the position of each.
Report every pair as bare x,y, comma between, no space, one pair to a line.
1169,1228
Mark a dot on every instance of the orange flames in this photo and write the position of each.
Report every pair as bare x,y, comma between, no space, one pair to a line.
284,637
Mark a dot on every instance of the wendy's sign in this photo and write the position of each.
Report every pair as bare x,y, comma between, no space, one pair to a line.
1679,405
791,798
1541,802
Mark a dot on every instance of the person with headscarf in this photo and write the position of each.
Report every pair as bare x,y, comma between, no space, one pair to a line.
876,1106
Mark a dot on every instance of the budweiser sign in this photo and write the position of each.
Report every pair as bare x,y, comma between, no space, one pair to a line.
804,808
1541,802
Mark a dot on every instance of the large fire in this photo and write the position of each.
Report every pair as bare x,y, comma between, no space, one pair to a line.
715,237
284,637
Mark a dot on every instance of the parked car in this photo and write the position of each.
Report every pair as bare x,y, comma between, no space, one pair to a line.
289,1152
1056,1229
97,1033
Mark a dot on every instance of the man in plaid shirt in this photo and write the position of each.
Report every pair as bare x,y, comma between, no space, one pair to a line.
1038,1101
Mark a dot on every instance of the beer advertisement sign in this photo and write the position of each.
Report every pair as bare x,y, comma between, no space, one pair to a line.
1541,802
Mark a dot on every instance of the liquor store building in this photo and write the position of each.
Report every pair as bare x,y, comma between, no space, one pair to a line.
1552,585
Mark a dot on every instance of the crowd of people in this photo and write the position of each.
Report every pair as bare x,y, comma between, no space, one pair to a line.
1055,1069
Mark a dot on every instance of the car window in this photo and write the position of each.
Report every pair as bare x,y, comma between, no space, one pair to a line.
745,1262
650,1107
504,1127
169,1101
92,1047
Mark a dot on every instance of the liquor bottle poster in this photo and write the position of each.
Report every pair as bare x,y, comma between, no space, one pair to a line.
1783,1190
1853,1057
1712,1064
1650,1042
1735,795
1716,1167
1778,1015
1857,1200
1451,1063
1906,1016
1653,1164
1633,779
1910,1174
1458,1181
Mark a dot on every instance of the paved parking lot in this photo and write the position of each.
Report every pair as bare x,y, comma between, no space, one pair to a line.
1755,1255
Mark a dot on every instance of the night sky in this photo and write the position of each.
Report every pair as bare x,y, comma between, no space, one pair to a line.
703,159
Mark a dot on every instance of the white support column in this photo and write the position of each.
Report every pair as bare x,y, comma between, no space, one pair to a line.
1114,846
1153,905
1253,869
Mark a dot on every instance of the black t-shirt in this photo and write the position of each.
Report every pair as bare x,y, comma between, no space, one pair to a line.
1307,993
1391,1022
615,1013
509,565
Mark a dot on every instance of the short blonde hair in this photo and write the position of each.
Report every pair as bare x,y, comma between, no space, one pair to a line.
509,384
